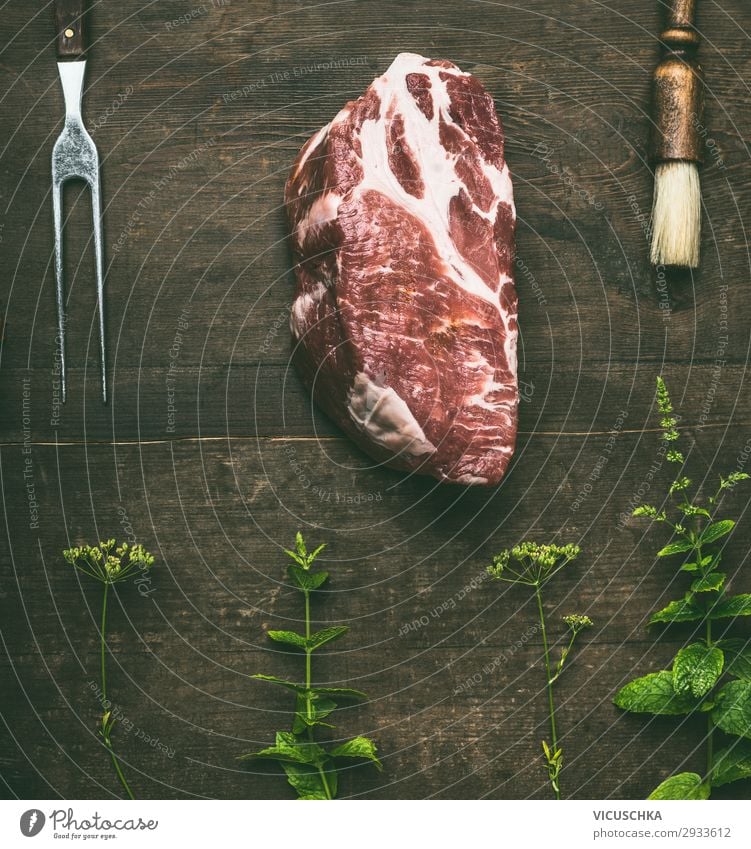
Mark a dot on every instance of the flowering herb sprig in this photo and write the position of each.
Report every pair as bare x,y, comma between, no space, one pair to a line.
697,681
310,767
533,565
109,564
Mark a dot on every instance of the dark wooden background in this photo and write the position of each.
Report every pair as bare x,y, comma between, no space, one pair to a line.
198,290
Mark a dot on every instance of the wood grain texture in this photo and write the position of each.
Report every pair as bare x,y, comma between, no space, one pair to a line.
211,453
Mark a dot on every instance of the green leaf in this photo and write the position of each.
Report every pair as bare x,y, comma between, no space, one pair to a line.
654,693
717,530
271,679
307,781
732,713
732,763
288,749
341,692
737,658
320,708
685,785
296,557
312,557
320,638
679,547
289,638
300,545
736,605
696,669
683,610
306,580
358,747
327,635
709,583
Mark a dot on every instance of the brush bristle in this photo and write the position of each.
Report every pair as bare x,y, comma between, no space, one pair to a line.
676,215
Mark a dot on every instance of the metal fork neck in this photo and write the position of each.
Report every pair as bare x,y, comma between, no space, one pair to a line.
71,77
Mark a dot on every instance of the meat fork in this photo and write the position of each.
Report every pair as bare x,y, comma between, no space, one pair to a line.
75,156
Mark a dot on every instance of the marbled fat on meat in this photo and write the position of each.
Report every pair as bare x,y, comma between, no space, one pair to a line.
402,219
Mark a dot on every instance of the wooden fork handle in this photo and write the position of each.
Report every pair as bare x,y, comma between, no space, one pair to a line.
71,29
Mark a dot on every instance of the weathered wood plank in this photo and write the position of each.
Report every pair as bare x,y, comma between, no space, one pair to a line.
407,577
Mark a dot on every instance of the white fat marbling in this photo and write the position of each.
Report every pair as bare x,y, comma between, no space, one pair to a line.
303,308
386,419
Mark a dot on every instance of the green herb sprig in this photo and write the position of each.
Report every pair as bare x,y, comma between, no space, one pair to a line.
310,767
699,680
109,564
533,565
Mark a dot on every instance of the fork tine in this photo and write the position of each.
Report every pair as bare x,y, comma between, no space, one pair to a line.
96,210
57,191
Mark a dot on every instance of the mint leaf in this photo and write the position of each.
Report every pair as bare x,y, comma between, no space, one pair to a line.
737,658
308,782
320,708
685,785
299,750
358,747
300,545
289,638
683,610
654,693
693,566
288,749
341,692
296,557
696,669
732,763
306,580
732,712
736,605
717,530
709,583
680,547
272,679
327,635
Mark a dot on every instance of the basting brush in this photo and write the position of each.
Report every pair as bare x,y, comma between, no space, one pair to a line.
677,150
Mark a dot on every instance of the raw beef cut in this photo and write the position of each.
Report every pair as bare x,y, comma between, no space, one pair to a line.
402,220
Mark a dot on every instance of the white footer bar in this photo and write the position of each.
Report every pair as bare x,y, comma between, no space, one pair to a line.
374,825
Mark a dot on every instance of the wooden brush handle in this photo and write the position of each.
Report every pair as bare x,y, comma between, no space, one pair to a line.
682,13
679,33
678,108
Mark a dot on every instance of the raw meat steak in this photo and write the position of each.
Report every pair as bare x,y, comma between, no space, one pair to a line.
402,218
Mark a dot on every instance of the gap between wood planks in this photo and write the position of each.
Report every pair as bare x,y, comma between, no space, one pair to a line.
240,437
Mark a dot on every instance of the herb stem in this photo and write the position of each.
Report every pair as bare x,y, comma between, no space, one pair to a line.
308,705
325,782
103,642
119,772
106,726
710,725
549,680
308,681
564,656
